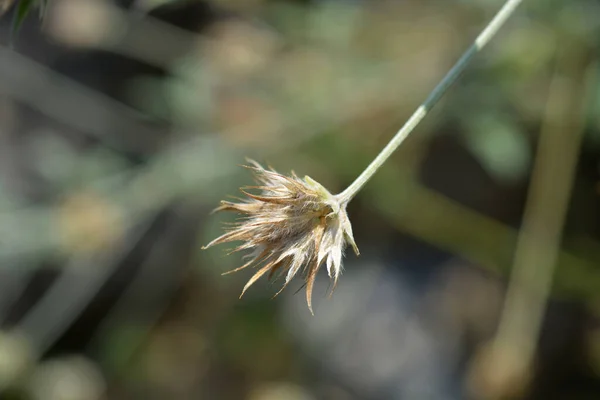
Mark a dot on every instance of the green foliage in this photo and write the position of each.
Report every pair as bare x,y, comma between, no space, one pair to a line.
23,9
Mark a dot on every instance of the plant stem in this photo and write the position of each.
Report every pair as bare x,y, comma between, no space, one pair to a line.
538,246
484,37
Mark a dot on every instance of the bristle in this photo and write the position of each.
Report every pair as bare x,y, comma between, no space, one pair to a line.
282,265
239,268
255,277
267,199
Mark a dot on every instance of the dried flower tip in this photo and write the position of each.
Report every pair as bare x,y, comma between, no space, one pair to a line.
291,226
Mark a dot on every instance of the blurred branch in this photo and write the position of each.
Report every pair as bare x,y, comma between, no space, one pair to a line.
482,240
65,100
539,240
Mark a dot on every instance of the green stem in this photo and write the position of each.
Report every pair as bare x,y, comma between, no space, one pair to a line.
484,37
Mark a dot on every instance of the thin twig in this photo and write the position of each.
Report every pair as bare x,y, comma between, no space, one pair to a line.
484,37
539,241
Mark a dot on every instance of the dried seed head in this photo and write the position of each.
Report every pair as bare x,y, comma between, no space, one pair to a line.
292,225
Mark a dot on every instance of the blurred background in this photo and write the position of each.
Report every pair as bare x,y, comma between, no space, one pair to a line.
124,122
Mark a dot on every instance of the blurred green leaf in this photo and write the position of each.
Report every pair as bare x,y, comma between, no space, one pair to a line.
500,146
119,346
23,9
